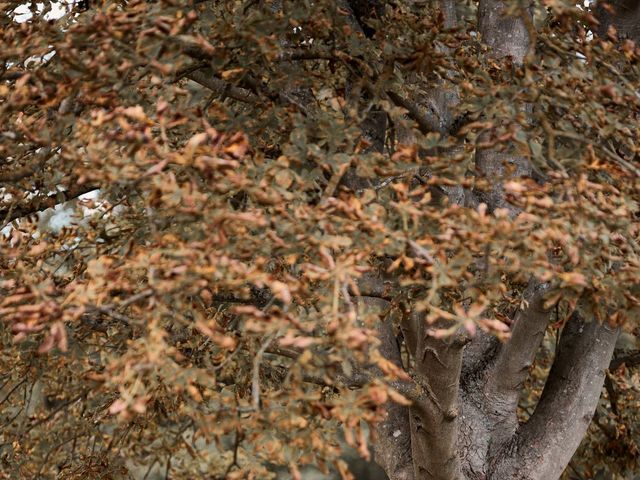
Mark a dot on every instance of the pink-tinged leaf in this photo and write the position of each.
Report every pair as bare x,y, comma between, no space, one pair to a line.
281,291
48,343
59,332
470,327
378,394
574,279
515,188
295,472
139,405
118,406
297,342
157,168
363,449
135,113
493,324
398,398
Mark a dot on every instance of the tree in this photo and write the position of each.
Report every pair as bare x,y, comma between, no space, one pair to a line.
310,216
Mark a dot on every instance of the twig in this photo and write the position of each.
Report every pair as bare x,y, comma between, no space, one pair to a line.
110,309
56,410
236,447
255,380
12,390
17,210
219,86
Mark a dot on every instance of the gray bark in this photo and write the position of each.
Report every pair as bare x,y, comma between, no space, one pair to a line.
623,15
544,445
392,445
506,378
434,417
463,421
505,35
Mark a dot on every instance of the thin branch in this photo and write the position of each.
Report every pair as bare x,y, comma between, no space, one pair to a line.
16,174
255,377
221,87
609,153
425,123
111,309
53,412
19,209
631,360
613,395
292,54
24,380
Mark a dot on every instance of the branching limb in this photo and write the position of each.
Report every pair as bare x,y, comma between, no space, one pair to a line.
545,444
434,420
514,359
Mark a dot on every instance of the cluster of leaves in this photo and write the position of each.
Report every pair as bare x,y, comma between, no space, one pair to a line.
200,313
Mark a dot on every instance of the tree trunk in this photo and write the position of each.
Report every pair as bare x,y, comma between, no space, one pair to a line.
463,422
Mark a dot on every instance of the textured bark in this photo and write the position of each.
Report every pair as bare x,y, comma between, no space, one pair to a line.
504,34
506,378
392,445
448,9
623,15
545,444
498,167
463,420
434,418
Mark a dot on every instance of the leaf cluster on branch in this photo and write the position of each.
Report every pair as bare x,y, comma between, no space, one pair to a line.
308,216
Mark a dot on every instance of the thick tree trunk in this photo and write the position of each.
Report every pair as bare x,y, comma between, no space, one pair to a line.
463,422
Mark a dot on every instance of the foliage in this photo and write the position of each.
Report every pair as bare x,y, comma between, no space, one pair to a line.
260,170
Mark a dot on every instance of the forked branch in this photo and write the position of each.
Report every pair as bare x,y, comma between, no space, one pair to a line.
516,356
545,444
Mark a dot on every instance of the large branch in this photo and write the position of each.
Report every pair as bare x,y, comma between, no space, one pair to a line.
548,440
448,9
505,35
508,374
434,418
392,436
